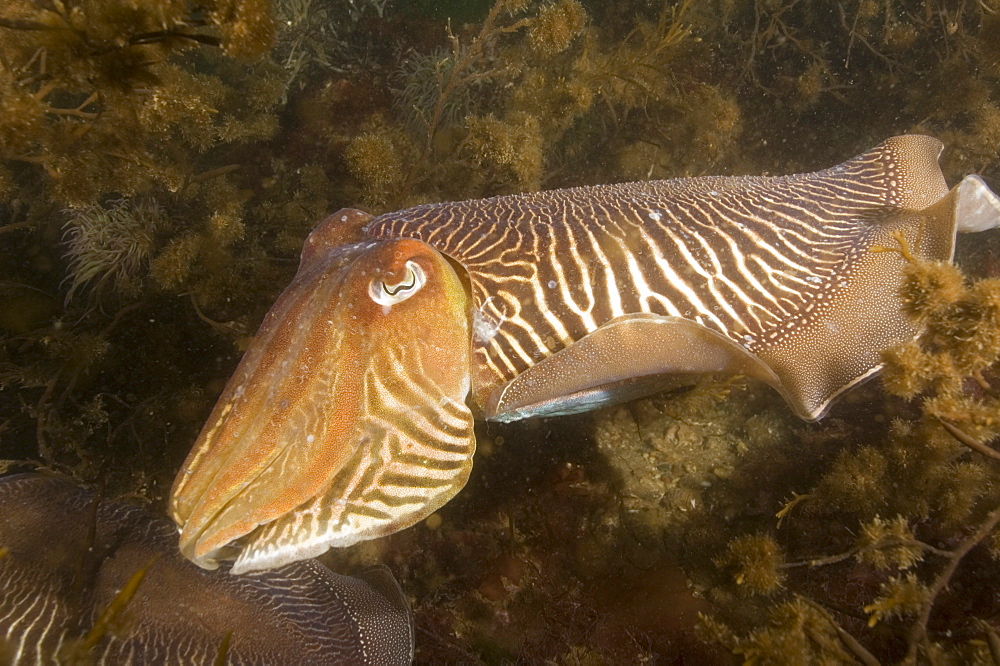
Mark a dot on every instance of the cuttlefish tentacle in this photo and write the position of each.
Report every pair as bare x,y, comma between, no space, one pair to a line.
347,419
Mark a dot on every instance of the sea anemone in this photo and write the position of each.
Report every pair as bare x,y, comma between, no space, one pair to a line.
110,244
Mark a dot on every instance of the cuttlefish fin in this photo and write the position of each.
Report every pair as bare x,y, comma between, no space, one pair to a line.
628,357
346,418
975,206
842,345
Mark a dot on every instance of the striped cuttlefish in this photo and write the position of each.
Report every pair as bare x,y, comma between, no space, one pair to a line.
351,415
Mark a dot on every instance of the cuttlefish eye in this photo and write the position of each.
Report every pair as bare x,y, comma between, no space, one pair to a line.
346,420
390,294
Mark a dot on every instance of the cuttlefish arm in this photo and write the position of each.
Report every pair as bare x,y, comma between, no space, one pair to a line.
346,419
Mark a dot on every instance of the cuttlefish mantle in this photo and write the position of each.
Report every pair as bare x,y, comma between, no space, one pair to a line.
604,292
350,417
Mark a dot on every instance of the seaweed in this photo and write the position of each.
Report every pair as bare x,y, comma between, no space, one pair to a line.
161,164
89,94
116,116
500,106
935,476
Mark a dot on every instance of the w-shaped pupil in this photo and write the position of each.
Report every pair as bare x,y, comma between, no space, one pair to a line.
392,290
388,295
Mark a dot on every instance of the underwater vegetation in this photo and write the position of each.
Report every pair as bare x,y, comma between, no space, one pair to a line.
86,580
110,244
242,132
91,99
915,509
495,105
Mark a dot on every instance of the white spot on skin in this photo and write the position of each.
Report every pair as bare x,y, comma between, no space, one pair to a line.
815,279
655,216
552,284
343,218
311,438
484,326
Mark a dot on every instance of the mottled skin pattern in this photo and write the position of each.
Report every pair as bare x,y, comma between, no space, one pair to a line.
350,417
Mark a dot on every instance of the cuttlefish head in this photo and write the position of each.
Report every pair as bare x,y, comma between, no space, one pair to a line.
346,419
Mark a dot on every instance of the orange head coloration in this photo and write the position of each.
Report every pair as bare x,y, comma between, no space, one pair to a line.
345,420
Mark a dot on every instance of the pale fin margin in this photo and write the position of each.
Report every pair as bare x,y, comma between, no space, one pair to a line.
599,369
977,208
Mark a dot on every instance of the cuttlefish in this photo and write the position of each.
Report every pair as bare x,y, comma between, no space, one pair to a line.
351,415
90,581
